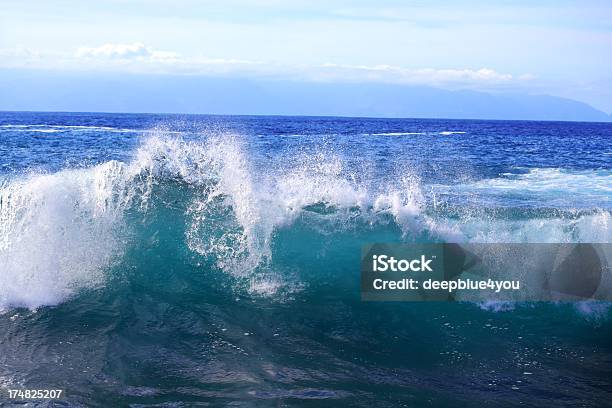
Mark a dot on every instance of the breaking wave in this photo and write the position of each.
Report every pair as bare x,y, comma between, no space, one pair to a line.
66,232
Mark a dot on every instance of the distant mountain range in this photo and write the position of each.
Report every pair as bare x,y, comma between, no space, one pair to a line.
54,91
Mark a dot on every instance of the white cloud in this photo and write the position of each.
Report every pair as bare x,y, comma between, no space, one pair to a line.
424,76
126,51
141,58
144,58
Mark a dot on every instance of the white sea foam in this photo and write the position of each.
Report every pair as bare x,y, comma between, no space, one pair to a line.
60,232
553,180
264,203
397,134
553,186
45,128
57,232
587,227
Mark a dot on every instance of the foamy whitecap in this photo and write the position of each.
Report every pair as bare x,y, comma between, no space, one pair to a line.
397,134
45,128
60,233
556,187
57,233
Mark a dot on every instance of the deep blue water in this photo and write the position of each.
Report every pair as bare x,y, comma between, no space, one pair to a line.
148,259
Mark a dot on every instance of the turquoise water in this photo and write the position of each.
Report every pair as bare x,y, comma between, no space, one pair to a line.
184,260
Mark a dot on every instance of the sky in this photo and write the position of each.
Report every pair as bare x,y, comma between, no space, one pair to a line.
561,48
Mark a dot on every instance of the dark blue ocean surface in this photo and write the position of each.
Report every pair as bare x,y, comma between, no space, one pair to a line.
178,260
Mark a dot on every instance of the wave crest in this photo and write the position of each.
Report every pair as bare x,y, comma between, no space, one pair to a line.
61,232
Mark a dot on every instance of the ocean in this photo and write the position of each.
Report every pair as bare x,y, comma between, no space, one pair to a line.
192,260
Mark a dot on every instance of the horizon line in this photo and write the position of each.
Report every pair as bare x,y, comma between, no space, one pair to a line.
2,111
